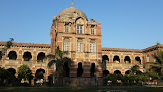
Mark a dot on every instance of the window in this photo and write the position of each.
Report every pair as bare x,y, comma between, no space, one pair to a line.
147,58
79,29
80,45
92,46
92,29
66,28
66,44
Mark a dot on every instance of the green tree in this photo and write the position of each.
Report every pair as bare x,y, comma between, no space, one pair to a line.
7,46
5,77
25,73
158,65
135,69
59,59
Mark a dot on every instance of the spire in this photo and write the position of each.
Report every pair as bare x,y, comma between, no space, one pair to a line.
158,42
72,4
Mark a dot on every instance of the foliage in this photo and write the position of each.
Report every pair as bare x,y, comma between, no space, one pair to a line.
59,59
5,77
39,75
158,65
7,46
24,73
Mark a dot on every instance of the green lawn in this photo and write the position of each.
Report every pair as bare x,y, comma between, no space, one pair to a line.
74,89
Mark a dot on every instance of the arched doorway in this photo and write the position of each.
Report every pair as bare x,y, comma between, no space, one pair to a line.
92,70
39,74
79,70
66,70
12,71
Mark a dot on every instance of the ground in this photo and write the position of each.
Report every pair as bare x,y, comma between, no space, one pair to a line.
76,89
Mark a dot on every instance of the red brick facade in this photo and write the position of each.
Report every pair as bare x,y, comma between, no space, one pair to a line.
72,31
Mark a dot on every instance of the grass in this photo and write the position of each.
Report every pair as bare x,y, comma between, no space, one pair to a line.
74,89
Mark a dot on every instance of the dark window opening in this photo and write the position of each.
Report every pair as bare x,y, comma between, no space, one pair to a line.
12,71
41,56
138,60
39,73
66,70
12,55
116,59
79,70
105,73
0,55
27,56
92,70
127,60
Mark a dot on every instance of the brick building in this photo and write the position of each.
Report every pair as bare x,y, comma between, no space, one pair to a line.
72,32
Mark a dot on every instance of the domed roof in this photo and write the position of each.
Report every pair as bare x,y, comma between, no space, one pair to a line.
71,13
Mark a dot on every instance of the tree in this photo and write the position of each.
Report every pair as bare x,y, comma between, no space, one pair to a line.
158,65
135,69
5,77
7,46
59,59
24,73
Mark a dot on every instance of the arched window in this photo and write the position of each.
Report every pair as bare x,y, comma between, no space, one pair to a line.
79,70
127,60
137,60
40,56
92,70
27,56
66,70
116,59
12,55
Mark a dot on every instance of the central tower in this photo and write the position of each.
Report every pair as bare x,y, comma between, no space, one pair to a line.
72,32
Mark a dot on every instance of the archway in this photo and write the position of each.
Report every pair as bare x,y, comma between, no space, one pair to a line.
12,55
137,60
105,73
79,70
12,71
40,56
39,73
128,71
127,60
117,72
116,59
27,56
105,58
92,70
66,70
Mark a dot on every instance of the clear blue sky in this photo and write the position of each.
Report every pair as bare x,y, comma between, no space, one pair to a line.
135,24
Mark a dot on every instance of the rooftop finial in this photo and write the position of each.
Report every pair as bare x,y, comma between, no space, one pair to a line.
72,4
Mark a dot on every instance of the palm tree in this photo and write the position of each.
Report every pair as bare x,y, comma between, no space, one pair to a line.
157,66
59,59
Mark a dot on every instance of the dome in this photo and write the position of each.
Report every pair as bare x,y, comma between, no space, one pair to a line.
71,13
